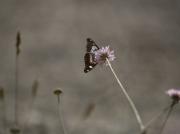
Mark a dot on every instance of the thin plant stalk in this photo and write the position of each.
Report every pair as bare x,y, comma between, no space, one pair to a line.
16,91
18,42
34,91
166,119
61,119
3,109
31,107
168,110
167,116
154,118
131,103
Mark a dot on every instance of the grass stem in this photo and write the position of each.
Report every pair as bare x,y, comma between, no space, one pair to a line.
61,119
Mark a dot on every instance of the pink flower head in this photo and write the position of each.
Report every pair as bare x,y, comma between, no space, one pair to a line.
102,54
174,94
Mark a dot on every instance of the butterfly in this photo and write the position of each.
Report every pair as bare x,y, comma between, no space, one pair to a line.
89,57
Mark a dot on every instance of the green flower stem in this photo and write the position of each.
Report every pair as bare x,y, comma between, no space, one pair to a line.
139,120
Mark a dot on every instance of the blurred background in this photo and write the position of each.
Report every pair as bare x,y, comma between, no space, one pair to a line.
144,35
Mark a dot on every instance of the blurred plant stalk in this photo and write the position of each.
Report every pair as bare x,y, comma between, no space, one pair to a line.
58,93
163,121
3,110
34,91
18,43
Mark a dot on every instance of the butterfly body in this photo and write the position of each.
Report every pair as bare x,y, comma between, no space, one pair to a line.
89,57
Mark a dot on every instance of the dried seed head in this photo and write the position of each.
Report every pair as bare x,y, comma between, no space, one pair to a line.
15,130
58,91
18,42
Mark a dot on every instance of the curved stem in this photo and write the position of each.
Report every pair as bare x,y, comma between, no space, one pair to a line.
61,116
168,109
174,102
131,103
16,89
168,114
156,117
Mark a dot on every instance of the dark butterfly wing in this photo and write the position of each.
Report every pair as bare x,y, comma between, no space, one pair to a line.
89,55
91,46
89,63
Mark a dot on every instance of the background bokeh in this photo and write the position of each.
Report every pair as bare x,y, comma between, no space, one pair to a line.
144,35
